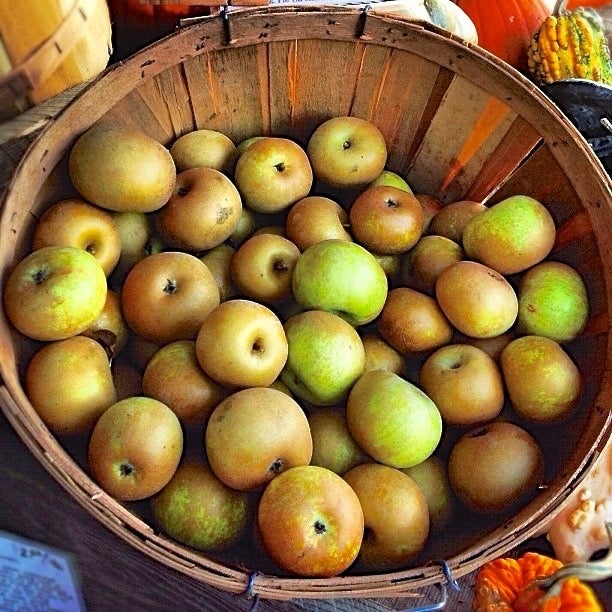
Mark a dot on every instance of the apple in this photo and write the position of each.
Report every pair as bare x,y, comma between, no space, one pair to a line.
202,212
127,377
136,239
197,509
542,380
391,264
69,383
311,522
316,218
511,235
166,296
173,376
465,383
476,299
391,179
451,218
245,228
492,346
392,420
412,322
432,478
386,219
262,267
76,223
347,152
341,277
218,260
135,448
110,328
422,265
333,446
495,468
255,434
380,355
242,343
553,301
325,357
431,206
55,292
247,142
121,169
395,514
204,148
277,230
273,173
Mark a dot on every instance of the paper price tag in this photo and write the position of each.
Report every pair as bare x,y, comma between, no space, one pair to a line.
34,576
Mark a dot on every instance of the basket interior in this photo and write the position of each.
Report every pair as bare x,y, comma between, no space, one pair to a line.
459,125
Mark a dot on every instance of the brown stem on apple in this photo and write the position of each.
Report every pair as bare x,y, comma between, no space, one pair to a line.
346,144
280,167
280,266
91,248
40,276
183,190
319,527
170,286
126,469
276,467
391,203
257,346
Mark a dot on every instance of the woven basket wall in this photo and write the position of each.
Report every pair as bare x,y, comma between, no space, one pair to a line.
459,126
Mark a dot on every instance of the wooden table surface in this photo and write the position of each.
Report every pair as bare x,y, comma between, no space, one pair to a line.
113,574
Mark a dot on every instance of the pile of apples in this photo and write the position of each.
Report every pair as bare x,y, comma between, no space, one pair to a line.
283,346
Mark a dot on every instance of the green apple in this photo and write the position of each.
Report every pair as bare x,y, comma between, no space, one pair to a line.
204,148
449,220
326,356
392,179
553,301
197,509
273,173
55,292
340,277
347,152
510,236
392,420
542,380
121,169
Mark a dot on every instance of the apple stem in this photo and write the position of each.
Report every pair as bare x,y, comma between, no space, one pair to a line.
40,276
170,286
126,469
319,527
276,467
280,167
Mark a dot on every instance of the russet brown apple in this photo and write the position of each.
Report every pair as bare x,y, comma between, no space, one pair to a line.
495,467
110,328
465,383
431,205
412,322
380,355
76,223
255,434
69,383
174,376
218,260
386,219
315,218
203,210
242,343
396,516
311,522
476,299
262,267
451,218
166,296
204,148
121,169
134,448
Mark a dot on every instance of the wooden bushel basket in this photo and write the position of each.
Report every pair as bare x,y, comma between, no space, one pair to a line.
459,125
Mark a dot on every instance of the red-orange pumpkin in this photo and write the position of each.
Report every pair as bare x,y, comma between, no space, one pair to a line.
505,28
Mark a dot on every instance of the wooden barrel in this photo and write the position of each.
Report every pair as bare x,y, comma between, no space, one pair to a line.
47,46
460,125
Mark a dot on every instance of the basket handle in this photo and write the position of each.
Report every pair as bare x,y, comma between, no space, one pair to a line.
46,58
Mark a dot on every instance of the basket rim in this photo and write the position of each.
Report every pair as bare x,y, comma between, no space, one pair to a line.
111,513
